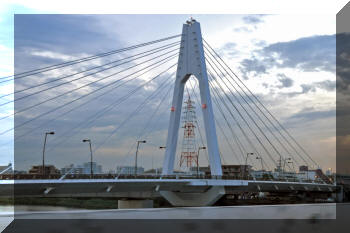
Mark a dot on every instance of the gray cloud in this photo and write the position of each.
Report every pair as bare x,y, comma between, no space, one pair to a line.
244,29
284,80
307,54
75,35
309,114
253,19
252,66
327,85
229,49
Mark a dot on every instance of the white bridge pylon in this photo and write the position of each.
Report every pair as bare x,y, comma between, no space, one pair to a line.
192,62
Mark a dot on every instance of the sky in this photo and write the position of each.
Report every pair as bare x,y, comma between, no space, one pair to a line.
288,61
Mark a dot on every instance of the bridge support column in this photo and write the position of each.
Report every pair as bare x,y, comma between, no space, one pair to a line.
207,198
134,204
192,62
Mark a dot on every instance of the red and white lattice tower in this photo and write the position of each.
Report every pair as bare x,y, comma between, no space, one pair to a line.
189,154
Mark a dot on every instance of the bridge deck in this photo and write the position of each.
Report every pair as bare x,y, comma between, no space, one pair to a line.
144,188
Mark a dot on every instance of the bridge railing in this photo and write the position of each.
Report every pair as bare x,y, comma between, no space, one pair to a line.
147,176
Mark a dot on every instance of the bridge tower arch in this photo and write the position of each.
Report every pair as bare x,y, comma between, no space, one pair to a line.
192,62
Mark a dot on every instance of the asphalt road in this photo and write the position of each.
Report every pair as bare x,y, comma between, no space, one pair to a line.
294,211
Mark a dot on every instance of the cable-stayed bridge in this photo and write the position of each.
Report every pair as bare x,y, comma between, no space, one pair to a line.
185,64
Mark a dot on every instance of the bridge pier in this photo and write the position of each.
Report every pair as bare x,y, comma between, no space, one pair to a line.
134,204
207,198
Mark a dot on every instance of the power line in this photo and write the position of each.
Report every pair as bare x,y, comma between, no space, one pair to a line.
83,104
197,99
131,115
148,52
100,113
23,97
256,113
60,65
200,133
141,134
45,113
217,98
244,120
55,97
264,107
250,116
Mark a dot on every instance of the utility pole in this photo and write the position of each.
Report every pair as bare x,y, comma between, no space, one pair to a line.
91,170
199,148
261,160
43,166
246,164
137,150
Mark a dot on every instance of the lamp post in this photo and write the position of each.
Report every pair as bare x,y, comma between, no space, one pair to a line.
246,161
137,150
91,171
43,166
261,160
161,147
199,148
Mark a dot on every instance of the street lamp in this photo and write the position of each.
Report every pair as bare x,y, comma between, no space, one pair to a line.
199,148
137,150
43,167
261,160
246,161
161,147
91,172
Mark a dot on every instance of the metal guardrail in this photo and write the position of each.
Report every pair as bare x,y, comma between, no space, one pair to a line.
145,176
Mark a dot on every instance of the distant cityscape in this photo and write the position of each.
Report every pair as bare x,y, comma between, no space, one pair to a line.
235,171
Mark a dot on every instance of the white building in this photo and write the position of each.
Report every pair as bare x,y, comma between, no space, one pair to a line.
129,170
96,169
82,169
307,175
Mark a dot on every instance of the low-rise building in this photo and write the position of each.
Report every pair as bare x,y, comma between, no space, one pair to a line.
82,169
129,170
48,169
236,171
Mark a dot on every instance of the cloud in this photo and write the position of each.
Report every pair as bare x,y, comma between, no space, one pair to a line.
85,34
253,19
52,55
285,81
107,128
252,67
327,85
310,114
308,54
245,29
312,54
